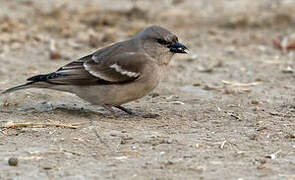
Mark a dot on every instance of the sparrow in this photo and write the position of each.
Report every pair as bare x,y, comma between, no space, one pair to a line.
117,74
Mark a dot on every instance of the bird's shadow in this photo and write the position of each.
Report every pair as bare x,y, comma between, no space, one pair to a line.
71,109
77,111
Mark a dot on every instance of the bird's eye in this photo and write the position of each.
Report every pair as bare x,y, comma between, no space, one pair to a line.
163,42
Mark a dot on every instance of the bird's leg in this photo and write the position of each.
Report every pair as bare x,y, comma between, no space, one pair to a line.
109,108
125,110
149,115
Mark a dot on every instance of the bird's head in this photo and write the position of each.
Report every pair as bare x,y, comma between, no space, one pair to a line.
160,43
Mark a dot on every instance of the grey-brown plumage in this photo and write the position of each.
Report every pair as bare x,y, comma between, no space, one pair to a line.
116,74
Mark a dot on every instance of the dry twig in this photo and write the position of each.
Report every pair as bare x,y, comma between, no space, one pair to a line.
30,124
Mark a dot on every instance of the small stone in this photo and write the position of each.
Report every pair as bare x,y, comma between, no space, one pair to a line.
177,102
271,156
54,55
197,146
6,104
13,161
255,102
169,141
47,166
153,95
123,141
115,133
288,70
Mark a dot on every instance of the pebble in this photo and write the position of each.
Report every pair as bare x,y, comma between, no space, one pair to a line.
255,102
13,161
54,55
288,70
169,141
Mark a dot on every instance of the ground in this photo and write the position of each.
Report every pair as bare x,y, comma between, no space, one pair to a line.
226,109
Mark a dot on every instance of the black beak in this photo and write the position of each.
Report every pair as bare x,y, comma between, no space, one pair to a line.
177,47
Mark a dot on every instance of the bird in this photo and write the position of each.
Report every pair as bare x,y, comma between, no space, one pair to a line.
117,74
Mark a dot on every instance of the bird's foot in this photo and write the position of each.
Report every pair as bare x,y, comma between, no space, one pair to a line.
112,114
128,111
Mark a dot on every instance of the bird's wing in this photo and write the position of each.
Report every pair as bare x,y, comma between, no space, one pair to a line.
94,69
120,68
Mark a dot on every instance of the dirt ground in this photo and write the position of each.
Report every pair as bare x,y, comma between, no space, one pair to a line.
227,108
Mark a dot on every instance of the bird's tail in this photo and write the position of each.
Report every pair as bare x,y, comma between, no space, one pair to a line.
23,86
39,81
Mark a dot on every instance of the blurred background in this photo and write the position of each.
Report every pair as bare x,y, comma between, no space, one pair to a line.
96,23
54,32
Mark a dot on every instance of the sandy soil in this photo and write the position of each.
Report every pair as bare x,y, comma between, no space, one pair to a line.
227,108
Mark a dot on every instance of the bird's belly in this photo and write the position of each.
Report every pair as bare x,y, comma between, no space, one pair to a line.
116,94
130,92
